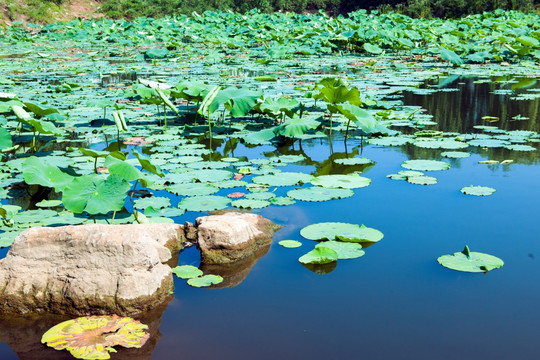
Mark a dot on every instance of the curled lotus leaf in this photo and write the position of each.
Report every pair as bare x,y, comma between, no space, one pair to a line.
283,179
425,165
92,337
319,255
470,261
477,190
204,203
187,271
317,193
351,181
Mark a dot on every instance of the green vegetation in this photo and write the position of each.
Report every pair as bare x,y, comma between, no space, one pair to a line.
36,11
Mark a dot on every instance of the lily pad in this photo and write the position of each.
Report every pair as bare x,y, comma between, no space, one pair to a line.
319,255
470,261
205,280
344,250
283,179
317,193
291,244
425,165
455,154
250,204
351,181
92,337
187,271
157,202
422,180
193,189
477,190
204,203
354,161
282,201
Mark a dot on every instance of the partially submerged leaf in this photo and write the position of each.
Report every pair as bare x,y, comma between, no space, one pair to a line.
205,280
187,271
319,255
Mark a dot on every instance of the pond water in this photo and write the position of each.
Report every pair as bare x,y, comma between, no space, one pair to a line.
395,302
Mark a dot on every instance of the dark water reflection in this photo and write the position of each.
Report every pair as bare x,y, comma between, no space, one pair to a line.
459,111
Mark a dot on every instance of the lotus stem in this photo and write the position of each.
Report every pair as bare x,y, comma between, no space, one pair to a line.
347,131
165,116
118,138
95,164
133,190
113,215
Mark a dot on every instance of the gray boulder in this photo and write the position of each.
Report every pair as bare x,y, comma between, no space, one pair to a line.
232,236
89,269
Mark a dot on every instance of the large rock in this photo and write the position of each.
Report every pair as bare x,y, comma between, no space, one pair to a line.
89,269
232,236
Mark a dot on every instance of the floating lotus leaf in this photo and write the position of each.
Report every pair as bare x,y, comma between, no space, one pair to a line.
157,202
49,203
289,159
291,244
192,189
344,250
187,271
455,154
64,218
319,255
488,162
167,212
404,174
390,141
351,181
489,143
92,337
281,201
425,165
33,216
470,261
283,179
260,195
477,190
208,165
214,175
229,184
328,230
363,234
520,147
250,204
422,180
95,194
354,161
317,193
204,203
5,139
7,238
441,144
205,280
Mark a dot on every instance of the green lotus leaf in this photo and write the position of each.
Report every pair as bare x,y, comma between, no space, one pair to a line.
7,238
422,180
64,218
440,144
342,231
33,216
49,203
319,255
281,201
470,261
192,189
292,128
372,48
283,105
44,127
148,166
37,171
95,194
344,250
92,337
5,139
283,179
354,161
250,204
213,175
204,203
205,280
167,212
288,159
260,195
187,271
477,190
390,141
351,181
455,154
208,165
451,56
291,244
425,165
123,169
489,143
362,119
157,202
317,193
229,184
519,147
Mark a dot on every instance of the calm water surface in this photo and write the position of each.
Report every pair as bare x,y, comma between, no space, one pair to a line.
396,302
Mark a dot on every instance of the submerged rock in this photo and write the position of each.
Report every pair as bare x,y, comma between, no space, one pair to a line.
89,269
232,236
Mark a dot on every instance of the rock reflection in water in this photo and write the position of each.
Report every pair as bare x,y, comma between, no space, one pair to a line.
233,274
23,335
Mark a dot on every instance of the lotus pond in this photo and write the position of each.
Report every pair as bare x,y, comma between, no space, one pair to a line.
425,132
